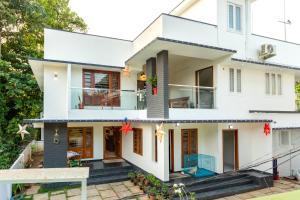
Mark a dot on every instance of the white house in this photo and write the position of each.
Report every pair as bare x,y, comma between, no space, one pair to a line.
218,87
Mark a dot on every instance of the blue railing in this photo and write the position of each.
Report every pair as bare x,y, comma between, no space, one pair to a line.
199,165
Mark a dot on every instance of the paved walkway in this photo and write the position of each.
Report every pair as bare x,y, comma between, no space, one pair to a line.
119,190
126,190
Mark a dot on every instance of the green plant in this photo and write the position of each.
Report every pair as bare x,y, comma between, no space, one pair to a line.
17,188
131,175
151,178
157,183
152,191
152,80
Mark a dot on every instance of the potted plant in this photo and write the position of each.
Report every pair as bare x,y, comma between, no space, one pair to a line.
152,193
131,175
153,82
80,105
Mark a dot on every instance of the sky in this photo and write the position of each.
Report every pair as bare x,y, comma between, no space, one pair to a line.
127,18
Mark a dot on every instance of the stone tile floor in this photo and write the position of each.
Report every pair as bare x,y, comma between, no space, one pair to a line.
126,190
280,186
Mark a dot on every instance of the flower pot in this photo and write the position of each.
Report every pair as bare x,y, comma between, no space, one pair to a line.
81,106
152,197
154,91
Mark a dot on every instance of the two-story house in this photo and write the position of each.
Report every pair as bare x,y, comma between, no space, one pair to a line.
216,94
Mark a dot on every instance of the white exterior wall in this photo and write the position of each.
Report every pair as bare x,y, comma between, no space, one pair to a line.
55,92
146,161
75,47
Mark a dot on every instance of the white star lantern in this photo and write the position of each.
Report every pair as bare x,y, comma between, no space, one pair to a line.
160,132
22,130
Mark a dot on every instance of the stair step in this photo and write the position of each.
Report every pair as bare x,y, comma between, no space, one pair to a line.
111,169
109,179
113,173
215,194
219,185
213,180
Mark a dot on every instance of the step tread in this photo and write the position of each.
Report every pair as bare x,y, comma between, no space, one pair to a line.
220,185
110,179
227,191
111,172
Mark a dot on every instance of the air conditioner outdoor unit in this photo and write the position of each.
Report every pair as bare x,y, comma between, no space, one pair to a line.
267,51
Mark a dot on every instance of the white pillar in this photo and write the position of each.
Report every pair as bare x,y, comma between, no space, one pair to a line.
69,76
84,189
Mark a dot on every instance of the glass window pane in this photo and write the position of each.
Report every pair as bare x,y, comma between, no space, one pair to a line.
230,16
273,84
267,77
279,84
238,18
101,80
231,80
75,138
239,80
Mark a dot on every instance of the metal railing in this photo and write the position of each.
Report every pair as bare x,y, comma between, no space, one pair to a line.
102,98
187,96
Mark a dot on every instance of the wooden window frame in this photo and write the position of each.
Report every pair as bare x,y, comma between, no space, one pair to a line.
182,153
236,147
110,83
139,150
83,141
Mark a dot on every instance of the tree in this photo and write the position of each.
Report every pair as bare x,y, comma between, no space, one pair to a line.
22,25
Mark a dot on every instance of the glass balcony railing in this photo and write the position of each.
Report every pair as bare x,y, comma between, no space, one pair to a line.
186,96
101,98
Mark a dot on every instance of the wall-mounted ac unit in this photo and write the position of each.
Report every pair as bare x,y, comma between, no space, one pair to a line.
267,51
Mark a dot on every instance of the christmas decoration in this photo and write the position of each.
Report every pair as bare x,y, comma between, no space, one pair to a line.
267,129
160,132
22,130
126,127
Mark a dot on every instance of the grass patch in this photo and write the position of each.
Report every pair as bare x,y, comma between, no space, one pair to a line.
50,190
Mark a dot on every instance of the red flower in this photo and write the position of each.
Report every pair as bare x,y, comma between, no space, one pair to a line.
267,129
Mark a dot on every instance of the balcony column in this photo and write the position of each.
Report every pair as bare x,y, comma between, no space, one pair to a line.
158,105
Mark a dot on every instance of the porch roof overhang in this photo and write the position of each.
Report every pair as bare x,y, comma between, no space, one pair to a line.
177,47
166,121
37,66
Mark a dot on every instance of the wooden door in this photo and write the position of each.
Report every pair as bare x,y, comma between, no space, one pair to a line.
171,150
189,143
80,140
118,143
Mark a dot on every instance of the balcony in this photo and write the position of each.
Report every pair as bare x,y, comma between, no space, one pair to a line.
107,99
191,97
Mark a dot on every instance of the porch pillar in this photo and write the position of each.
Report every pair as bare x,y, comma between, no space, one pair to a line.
158,105
55,146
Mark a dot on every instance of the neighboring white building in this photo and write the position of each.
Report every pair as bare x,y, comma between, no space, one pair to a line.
215,93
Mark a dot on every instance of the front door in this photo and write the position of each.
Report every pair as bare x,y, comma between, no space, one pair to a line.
80,140
230,150
112,140
189,143
171,150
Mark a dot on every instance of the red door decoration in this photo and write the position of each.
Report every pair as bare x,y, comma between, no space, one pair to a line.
267,129
126,127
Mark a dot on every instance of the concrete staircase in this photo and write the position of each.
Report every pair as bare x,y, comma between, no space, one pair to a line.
226,184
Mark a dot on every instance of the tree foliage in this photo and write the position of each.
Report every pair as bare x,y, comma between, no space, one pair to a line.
22,25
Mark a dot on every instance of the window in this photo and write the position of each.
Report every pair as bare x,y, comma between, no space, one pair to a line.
101,88
238,80
273,84
267,77
80,140
233,80
138,141
284,138
279,92
234,17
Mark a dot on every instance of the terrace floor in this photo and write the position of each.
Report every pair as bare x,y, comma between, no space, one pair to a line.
126,190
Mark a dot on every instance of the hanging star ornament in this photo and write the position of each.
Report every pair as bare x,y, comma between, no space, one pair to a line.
126,128
160,132
22,130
